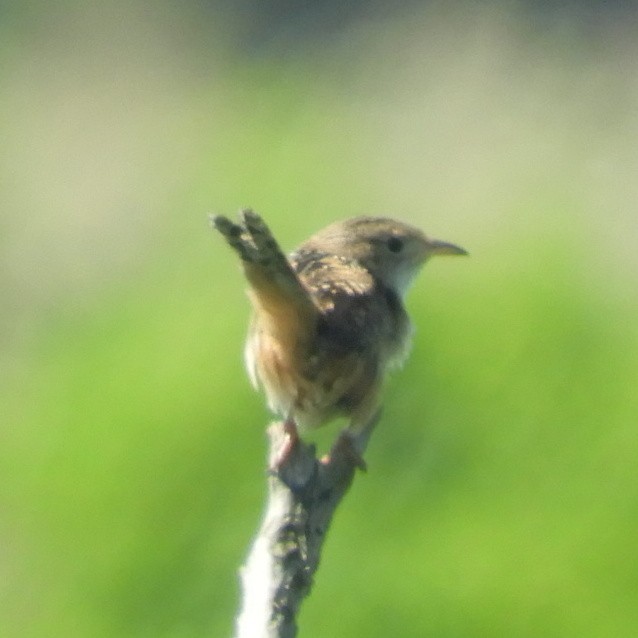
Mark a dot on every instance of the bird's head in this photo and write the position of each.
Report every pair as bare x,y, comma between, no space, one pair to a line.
393,252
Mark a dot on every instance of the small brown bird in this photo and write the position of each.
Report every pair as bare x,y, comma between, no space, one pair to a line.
328,322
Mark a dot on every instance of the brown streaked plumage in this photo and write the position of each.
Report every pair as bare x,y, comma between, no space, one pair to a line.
328,322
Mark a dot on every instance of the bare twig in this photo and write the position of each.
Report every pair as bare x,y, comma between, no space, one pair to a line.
303,494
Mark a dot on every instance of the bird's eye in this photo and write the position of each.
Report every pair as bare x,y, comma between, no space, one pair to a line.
395,245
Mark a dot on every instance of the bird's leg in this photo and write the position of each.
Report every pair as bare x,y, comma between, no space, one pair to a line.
291,441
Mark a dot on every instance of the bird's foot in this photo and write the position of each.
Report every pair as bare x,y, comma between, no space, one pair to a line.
291,441
346,447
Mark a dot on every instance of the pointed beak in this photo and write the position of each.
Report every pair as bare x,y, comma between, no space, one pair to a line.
436,247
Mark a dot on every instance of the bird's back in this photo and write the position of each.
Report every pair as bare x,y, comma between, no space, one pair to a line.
335,366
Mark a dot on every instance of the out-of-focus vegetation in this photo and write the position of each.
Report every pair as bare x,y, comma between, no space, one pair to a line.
502,497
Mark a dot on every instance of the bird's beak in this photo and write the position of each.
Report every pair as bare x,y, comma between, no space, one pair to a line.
436,247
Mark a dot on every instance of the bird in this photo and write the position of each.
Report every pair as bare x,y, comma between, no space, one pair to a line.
328,321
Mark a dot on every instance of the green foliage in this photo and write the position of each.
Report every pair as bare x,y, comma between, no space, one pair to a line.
501,497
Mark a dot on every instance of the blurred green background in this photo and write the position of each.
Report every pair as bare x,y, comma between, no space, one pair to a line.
502,497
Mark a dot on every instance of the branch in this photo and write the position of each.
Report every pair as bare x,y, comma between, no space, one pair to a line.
303,494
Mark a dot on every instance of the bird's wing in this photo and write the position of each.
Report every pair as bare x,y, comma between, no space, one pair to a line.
346,295
357,313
